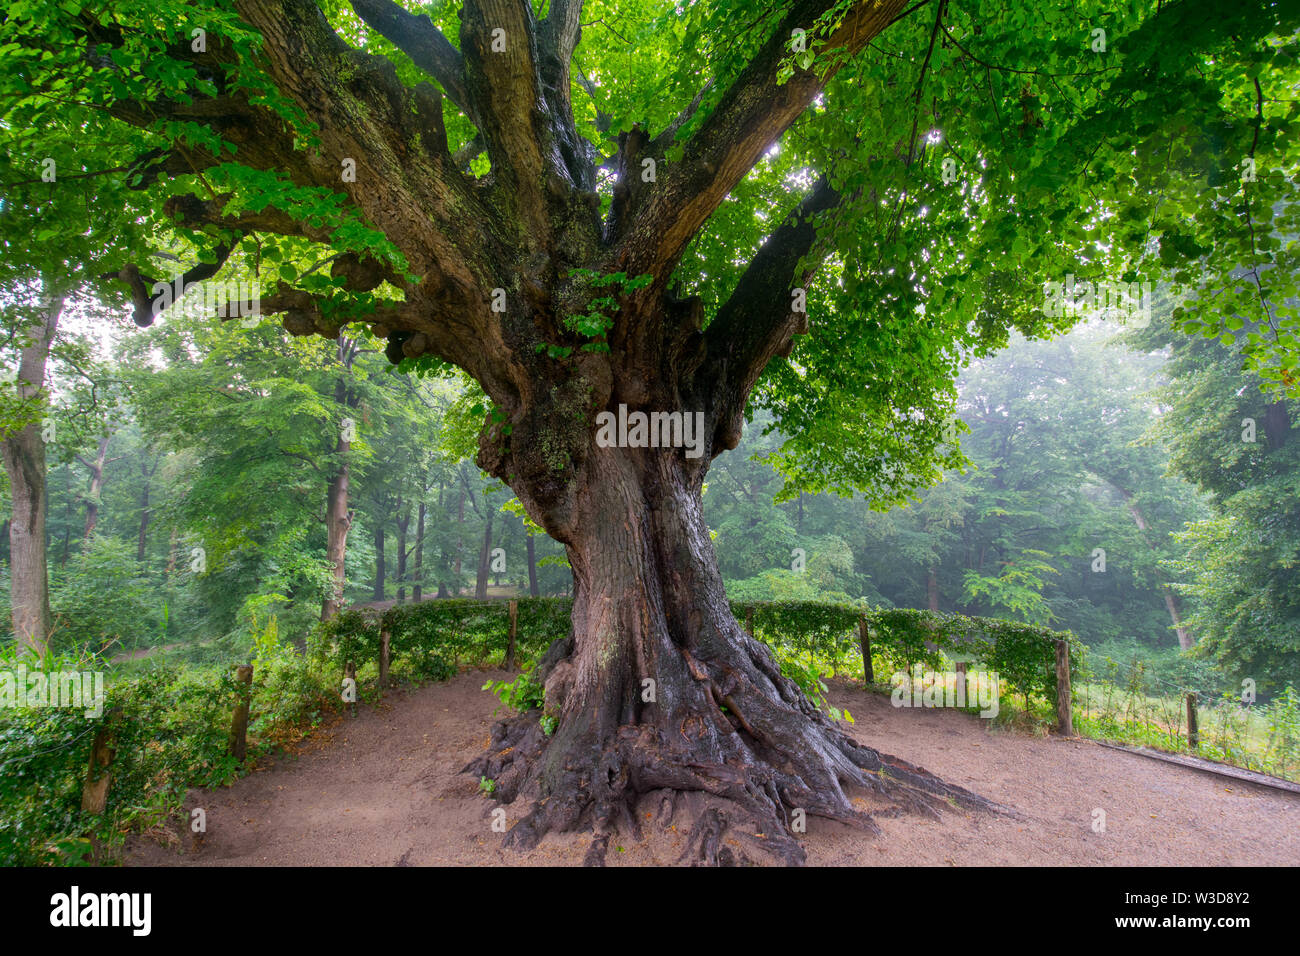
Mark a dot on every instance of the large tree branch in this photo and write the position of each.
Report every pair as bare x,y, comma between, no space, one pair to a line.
498,40
656,220
379,144
560,34
148,300
758,321
416,36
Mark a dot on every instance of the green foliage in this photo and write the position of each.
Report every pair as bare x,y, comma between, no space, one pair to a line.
601,310
102,599
1240,566
446,631
170,734
522,694
806,671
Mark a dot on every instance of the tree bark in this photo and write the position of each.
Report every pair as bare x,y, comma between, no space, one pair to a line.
661,694
338,520
96,467
24,460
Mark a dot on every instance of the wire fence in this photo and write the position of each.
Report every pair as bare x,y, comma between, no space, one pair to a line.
1129,703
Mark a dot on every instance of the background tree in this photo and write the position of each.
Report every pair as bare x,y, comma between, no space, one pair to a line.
1240,444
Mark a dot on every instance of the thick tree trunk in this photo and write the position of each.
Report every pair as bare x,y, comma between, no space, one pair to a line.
660,694
417,588
532,567
24,459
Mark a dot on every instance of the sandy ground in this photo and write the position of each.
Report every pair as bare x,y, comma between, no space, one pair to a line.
383,789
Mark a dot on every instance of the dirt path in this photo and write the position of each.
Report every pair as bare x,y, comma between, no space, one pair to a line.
383,789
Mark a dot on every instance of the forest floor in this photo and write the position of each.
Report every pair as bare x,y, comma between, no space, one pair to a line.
384,789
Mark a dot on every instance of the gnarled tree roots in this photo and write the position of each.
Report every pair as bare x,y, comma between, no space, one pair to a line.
742,753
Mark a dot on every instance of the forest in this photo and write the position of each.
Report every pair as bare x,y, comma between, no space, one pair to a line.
697,374
188,505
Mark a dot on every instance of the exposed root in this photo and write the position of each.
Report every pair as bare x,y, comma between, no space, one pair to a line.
770,759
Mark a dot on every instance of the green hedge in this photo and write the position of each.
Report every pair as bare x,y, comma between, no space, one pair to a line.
1022,655
434,636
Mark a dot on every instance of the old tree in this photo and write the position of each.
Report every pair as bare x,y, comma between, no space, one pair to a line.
821,207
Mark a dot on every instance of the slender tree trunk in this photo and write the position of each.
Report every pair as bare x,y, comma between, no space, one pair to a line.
378,593
932,588
67,516
403,524
338,515
1277,425
484,562
417,588
460,536
1171,599
142,539
96,489
171,552
532,567
24,460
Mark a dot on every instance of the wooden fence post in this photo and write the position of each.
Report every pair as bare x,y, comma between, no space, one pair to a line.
238,745
385,652
514,630
959,688
1064,716
94,795
1193,732
864,642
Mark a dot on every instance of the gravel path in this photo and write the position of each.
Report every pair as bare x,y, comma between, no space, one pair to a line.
383,789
